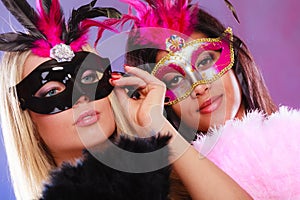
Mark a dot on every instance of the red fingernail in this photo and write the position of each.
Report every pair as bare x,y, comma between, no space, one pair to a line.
115,78
111,81
115,75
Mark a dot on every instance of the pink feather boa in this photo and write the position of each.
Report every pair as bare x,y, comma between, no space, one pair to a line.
261,154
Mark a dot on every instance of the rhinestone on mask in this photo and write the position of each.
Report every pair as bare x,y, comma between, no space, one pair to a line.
62,53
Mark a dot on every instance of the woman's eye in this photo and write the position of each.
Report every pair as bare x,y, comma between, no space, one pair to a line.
206,60
89,79
90,76
51,92
50,89
173,81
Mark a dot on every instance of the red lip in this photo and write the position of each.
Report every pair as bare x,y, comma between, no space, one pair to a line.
87,118
210,105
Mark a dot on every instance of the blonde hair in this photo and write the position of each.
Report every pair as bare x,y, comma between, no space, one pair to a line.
28,159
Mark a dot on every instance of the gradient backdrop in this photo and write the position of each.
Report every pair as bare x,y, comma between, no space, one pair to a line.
270,28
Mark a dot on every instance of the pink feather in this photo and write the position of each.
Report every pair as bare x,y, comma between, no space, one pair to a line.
260,154
105,25
77,44
169,16
138,5
42,48
50,24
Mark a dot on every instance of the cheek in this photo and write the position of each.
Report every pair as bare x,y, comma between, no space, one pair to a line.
185,110
233,94
55,129
61,135
47,124
107,119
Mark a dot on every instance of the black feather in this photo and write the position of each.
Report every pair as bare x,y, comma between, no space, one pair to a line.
25,14
232,9
16,41
87,12
92,179
108,12
46,4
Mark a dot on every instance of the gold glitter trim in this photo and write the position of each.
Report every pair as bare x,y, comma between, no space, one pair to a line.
215,77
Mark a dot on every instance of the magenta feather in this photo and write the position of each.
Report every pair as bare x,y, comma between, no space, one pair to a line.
77,44
105,25
168,15
50,24
139,6
41,48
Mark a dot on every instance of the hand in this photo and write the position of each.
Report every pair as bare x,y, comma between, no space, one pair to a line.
145,113
203,179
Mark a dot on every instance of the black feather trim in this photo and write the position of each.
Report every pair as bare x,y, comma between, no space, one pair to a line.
16,41
87,12
25,14
92,179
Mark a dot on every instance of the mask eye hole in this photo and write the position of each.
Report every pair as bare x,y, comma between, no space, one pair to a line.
50,89
91,76
172,79
206,60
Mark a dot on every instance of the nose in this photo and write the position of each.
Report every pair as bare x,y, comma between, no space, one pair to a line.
82,99
200,90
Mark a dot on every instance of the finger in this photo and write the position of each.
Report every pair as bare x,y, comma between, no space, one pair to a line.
153,99
121,94
155,90
145,76
123,99
130,81
154,93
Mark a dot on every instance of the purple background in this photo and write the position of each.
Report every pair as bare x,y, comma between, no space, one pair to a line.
271,29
